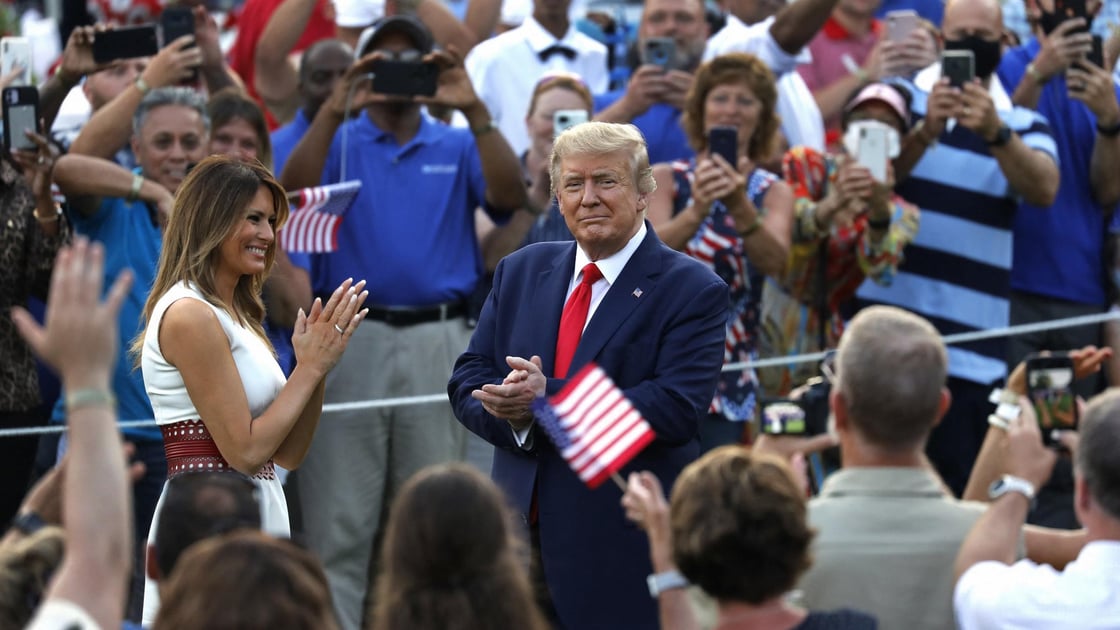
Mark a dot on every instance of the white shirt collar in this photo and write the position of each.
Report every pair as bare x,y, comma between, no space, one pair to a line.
612,265
539,39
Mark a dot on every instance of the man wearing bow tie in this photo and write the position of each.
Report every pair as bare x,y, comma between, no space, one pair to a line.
505,68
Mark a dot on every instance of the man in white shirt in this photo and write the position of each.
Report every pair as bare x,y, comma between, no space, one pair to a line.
777,38
505,69
994,591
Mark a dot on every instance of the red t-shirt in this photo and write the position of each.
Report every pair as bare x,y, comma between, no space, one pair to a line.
252,21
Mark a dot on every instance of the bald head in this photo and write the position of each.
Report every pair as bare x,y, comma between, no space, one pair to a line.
1097,463
891,366
983,18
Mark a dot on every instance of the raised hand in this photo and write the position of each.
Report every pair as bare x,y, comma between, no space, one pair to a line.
174,64
321,335
79,340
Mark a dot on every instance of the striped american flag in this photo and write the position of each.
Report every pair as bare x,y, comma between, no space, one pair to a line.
593,425
316,216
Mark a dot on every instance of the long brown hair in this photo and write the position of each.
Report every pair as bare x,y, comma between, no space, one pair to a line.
209,204
449,560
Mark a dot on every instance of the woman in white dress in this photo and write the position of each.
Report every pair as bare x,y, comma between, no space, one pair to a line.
218,393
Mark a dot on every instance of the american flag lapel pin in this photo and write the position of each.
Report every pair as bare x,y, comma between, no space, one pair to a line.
637,293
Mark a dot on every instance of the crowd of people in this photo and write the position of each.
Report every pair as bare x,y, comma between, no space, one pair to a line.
545,187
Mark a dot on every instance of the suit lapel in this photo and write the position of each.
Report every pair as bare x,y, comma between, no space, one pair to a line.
630,289
548,304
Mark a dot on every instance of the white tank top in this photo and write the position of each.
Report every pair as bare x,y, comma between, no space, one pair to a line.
261,375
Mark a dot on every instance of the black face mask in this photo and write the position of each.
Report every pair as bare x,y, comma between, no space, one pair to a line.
987,52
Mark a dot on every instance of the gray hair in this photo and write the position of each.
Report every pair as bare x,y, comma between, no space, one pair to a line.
597,138
891,366
1097,461
159,97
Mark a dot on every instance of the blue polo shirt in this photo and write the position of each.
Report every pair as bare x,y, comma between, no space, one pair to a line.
286,138
661,127
410,233
957,272
1059,250
132,241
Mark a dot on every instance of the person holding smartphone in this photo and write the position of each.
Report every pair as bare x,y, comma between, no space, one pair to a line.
849,227
974,173
1061,248
730,214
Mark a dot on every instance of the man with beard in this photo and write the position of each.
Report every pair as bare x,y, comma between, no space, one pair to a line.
654,97
411,234
970,159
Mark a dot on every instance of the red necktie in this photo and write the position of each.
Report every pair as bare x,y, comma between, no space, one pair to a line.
573,319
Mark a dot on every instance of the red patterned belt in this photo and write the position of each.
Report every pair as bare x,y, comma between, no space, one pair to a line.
189,448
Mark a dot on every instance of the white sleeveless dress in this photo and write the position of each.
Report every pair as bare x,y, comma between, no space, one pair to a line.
187,443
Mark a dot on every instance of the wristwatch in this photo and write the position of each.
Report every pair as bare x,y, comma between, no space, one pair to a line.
1002,137
1011,483
665,581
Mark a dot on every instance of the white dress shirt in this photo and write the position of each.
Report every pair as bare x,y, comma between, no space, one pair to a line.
1086,595
802,122
506,68
611,267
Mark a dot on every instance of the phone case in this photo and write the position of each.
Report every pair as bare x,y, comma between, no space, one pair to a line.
16,51
564,119
900,24
724,141
125,43
21,111
405,78
959,66
873,152
659,51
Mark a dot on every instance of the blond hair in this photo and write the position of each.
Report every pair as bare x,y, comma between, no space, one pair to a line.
597,138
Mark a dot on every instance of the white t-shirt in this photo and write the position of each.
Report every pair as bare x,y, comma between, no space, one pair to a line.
61,614
506,68
1086,595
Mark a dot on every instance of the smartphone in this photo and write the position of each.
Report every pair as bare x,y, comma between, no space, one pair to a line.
125,43
174,23
659,51
16,51
901,23
1069,9
21,112
959,66
1049,386
564,119
1096,54
724,141
405,78
873,152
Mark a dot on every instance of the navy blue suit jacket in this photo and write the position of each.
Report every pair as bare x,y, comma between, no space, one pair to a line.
659,334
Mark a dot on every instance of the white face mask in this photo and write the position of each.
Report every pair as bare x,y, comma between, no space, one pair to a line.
852,136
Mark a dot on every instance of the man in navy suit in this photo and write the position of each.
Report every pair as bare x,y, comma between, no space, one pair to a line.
655,323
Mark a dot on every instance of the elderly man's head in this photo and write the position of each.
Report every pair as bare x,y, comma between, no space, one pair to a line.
975,25
602,180
170,132
1098,467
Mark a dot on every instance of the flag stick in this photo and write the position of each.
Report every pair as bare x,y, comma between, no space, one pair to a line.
618,481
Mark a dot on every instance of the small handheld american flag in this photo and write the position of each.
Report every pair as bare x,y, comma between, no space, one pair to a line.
593,425
316,216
